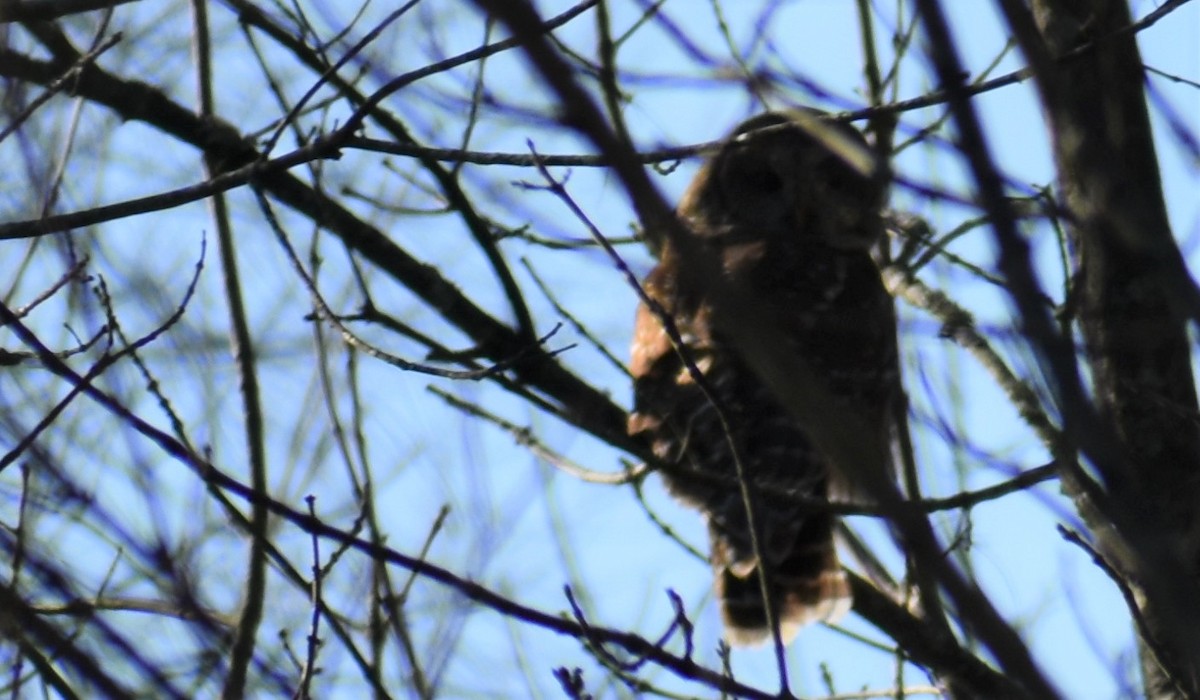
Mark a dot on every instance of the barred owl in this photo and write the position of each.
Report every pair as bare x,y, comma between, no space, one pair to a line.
792,222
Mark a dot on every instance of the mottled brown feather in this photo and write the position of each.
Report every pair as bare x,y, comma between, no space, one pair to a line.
792,222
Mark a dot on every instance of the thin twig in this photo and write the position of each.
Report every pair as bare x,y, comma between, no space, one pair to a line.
58,85
575,323
524,437
1145,632
318,603
352,339
241,653
958,325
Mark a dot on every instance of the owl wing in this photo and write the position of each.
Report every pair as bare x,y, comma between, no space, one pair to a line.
676,418
658,370
653,364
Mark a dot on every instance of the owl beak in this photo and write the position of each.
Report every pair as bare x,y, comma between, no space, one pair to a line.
845,229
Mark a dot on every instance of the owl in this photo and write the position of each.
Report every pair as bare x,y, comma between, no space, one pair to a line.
791,212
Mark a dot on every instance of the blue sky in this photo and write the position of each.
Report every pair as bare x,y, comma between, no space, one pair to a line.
515,523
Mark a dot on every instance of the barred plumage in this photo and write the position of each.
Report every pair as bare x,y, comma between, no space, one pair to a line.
793,222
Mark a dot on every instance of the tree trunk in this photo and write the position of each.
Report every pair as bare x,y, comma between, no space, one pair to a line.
1132,298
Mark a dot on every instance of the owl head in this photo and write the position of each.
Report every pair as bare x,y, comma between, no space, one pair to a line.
794,177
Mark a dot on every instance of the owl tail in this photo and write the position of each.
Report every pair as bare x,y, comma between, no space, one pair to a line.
806,582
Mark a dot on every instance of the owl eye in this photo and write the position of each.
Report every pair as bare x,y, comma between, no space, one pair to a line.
744,172
838,179
836,182
762,180
754,178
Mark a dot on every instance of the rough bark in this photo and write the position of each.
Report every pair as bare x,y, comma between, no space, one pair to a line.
1132,293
